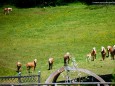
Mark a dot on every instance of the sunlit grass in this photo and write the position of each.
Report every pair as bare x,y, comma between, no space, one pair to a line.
40,33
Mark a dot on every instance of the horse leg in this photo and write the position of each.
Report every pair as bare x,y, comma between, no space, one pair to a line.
68,60
103,58
17,69
92,58
95,56
65,62
107,53
28,68
5,12
112,55
34,68
49,66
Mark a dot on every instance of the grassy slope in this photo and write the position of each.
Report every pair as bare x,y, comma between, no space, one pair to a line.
39,33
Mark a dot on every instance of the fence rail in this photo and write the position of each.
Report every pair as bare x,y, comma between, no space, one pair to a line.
20,79
58,84
34,80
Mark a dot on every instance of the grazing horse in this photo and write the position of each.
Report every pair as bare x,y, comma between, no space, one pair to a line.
93,54
30,65
19,65
111,50
103,53
66,58
50,61
7,10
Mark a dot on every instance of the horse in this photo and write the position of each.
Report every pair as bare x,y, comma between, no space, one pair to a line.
111,50
93,53
66,58
103,53
7,10
19,65
30,65
88,57
50,61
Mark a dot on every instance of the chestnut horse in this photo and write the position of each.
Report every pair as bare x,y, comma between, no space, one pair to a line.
50,61
103,52
66,58
19,65
30,65
111,50
93,54
7,10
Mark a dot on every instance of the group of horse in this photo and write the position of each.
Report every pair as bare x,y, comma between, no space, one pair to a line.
29,65
90,57
105,52
32,65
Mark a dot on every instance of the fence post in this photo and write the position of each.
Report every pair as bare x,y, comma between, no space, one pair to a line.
39,74
98,84
19,77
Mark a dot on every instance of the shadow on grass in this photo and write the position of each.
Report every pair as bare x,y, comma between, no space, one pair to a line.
94,7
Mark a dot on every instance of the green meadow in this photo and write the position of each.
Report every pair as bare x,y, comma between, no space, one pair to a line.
26,34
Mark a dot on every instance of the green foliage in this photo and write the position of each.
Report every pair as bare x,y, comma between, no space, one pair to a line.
42,3
34,3
26,34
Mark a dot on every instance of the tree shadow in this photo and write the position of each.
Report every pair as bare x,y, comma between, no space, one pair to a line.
94,7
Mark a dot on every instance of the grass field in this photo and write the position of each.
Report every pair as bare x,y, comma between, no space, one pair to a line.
26,34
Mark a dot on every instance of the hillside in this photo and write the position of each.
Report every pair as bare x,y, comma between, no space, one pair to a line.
26,34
